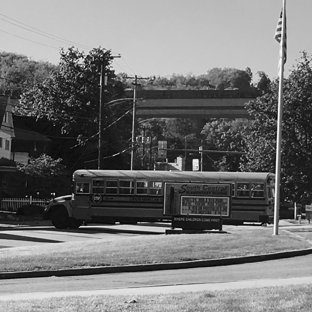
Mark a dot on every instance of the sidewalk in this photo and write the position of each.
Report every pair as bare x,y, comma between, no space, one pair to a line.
295,224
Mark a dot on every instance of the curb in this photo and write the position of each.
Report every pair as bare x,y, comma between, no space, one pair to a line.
155,267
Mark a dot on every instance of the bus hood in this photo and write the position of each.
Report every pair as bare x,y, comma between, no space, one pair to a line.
61,198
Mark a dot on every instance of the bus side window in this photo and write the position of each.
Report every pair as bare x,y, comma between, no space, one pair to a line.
126,187
141,187
257,190
155,188
233,189
98,187
82,188
111,186
242,190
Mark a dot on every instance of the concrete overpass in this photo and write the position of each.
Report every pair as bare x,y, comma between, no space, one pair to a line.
192,103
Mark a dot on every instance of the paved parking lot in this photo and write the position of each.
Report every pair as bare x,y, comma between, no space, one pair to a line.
36,233
30,235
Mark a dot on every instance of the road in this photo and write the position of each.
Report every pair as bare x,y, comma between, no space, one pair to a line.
275,272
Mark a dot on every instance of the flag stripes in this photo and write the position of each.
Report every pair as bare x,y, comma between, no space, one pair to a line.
278,34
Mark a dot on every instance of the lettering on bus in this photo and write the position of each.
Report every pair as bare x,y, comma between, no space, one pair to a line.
146,199
199,205
194,219
205,189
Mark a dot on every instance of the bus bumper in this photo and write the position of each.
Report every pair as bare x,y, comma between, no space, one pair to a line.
266,219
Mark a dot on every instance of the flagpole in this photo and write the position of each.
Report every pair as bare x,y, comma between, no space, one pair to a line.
279,125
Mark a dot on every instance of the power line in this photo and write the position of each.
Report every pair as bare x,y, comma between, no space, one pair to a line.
40,32
47,35
96,134
132,69
46,45
127,65
111,156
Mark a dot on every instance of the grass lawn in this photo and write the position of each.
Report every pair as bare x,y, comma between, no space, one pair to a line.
148,250
270,299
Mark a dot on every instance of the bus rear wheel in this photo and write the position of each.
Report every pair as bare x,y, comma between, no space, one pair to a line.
60,219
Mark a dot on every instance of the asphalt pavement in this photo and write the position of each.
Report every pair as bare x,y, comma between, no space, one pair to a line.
292,225
296,227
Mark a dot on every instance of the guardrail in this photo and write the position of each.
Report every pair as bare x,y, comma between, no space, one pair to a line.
12,204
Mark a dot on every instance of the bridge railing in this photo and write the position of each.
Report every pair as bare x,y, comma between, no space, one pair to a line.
193,94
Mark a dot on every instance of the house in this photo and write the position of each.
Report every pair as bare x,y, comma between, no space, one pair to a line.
17,144
7,165
18,141
26,142
7,128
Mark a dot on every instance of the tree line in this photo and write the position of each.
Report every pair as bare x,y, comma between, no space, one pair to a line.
63,100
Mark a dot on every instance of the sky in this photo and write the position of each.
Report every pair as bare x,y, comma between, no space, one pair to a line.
160,37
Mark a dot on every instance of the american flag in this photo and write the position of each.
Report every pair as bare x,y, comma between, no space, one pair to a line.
278,34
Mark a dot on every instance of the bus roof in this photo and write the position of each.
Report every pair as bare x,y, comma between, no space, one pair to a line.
183,176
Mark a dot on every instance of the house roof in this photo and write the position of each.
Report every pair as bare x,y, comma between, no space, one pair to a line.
3,105
24,128
29,135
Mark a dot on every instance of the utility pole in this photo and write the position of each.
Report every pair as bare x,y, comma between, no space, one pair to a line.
103,84
135,85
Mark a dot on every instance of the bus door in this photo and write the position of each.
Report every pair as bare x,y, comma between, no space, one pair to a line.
81,204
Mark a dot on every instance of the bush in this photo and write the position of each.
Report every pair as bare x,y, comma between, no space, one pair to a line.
30,210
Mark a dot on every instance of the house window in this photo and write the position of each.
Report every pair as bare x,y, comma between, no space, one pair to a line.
7,145
1,142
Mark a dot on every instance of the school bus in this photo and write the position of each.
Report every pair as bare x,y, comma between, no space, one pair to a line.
110,196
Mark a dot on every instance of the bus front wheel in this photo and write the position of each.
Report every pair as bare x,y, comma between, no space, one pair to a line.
60,219
74,223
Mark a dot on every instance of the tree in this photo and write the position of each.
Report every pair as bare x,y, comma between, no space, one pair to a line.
69,98
225,135
264,82
40,177
296,151
176,82
230,78
20,73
